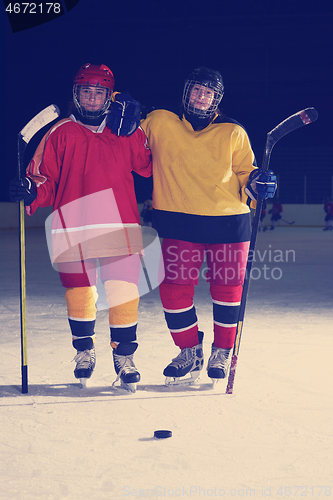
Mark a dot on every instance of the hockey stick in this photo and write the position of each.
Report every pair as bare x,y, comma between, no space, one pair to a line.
39,121
293,222
295,121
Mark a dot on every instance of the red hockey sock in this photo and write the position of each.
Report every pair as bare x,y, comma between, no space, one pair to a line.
180,315
226,302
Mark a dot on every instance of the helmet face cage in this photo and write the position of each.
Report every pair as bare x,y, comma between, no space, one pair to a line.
94,107
202,98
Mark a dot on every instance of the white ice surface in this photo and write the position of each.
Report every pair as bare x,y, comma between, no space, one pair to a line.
273,437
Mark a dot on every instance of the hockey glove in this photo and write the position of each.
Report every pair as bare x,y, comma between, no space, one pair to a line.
261,183
22,189
125,114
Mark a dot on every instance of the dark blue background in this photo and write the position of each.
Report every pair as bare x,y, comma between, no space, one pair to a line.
275,58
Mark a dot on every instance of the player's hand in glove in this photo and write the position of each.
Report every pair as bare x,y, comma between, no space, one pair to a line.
125,114
261,183
22,189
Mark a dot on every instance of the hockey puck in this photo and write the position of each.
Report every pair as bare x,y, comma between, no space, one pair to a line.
162,434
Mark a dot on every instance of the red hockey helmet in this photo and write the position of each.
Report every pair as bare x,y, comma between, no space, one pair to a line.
90,76
93,74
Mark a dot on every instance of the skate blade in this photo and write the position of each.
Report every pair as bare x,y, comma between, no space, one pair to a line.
217,380
83,383
177,381
128,387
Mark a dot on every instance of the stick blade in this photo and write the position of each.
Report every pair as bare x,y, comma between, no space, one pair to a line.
231,379
304,117
311,114
39,121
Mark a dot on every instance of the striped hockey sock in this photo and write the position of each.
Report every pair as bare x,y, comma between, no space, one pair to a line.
180,314
226,302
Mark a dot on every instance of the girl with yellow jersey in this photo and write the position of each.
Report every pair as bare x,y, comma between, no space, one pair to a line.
204,177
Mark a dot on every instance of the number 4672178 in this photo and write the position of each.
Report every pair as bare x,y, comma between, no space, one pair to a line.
33,8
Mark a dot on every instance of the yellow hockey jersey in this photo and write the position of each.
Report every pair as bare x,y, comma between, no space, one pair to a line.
199,178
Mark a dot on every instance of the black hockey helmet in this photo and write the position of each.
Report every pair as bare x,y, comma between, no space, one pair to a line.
210,82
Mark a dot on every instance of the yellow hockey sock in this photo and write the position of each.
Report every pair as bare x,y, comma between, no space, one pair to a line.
81,303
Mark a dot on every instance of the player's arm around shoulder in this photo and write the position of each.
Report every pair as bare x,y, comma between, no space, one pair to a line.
140,154
124,120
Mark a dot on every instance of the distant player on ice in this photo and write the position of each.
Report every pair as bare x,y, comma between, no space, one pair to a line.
276,212
262,218
84,171
328,209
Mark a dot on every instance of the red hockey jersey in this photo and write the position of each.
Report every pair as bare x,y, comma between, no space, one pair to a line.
87,178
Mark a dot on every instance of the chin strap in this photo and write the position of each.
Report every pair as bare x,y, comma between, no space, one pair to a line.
196,122
88,121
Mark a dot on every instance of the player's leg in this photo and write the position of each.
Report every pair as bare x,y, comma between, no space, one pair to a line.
79,279
182,262
121,278
227,265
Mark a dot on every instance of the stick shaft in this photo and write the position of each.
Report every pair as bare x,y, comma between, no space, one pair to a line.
24,356
265,164
242,307
38,122
295,121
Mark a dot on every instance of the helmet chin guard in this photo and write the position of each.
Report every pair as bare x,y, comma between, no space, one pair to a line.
203,92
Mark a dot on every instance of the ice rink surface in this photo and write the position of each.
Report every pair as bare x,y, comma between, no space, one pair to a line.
273,437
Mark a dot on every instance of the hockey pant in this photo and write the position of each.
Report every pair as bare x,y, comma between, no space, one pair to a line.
224,269
121,286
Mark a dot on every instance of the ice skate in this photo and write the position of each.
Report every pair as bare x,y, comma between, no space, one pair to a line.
188,362
124,365
85,364
218,363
